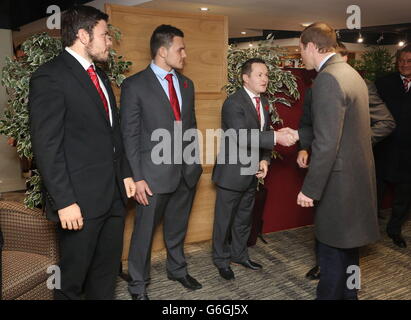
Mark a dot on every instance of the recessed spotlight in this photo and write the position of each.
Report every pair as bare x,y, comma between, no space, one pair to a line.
243,32
401,43
305,24
250,44
204,9
360,39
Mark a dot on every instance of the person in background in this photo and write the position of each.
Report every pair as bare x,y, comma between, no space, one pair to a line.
393,155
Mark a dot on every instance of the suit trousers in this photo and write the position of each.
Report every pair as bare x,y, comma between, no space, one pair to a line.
333,272
401,205
175,209
90,258
233,217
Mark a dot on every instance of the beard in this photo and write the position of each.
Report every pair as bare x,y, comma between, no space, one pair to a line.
96,57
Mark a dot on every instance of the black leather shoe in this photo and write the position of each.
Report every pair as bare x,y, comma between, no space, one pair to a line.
226,273
249,264
188,282
398,240
142,296
314,273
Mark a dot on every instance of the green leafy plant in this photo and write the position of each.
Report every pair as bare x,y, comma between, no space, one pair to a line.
16,74
375,63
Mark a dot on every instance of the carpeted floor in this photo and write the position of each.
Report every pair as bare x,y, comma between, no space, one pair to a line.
385,271
288,255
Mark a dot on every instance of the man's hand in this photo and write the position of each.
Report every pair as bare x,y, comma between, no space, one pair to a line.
263,169
286,137
302,159
304,201
130,187
71,218
142,190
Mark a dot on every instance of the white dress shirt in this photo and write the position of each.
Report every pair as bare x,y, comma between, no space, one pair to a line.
325,60
252,96
86,64
409,83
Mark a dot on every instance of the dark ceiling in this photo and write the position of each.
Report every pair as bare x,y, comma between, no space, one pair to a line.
375,35
16,13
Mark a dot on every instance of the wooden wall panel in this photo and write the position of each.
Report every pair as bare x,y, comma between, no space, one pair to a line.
206,39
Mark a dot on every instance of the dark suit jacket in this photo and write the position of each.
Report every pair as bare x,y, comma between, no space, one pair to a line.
341,175
79,155
238,112
382,122
145,108
394,153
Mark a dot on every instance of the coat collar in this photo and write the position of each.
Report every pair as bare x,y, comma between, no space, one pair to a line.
334,59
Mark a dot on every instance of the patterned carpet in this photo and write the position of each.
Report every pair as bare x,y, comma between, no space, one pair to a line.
385,268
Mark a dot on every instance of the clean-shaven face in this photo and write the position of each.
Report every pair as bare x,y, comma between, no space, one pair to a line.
99,46
176,53
306,56
404,64
257,81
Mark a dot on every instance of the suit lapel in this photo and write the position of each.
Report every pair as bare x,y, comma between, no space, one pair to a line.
85,81
264,103
249,104
111,96
184,96
155,83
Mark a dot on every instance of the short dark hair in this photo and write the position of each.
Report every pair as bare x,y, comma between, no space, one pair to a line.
247,66
342,49
322,35
79,17
163,37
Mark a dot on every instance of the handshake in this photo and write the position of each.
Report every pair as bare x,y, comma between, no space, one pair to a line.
286,137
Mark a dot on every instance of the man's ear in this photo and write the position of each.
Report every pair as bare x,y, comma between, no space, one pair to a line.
162,52
83,36
245,78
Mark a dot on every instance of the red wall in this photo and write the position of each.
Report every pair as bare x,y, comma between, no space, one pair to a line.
285,178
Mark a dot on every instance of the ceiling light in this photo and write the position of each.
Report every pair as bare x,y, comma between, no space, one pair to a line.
204,9
243,32
250,44
401,43
360,39
305,24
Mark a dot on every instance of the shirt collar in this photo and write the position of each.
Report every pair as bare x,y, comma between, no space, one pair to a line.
160,72
325,60
252,95
83,61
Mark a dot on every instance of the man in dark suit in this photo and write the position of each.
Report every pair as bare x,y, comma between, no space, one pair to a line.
246,110
160,99
381,120
341,176
394,153
78,149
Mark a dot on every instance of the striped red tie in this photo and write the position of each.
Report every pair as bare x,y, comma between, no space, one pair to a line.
257,107
406,83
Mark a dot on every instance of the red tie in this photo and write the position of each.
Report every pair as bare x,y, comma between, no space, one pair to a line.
173,97
257,107
406,82
93,77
